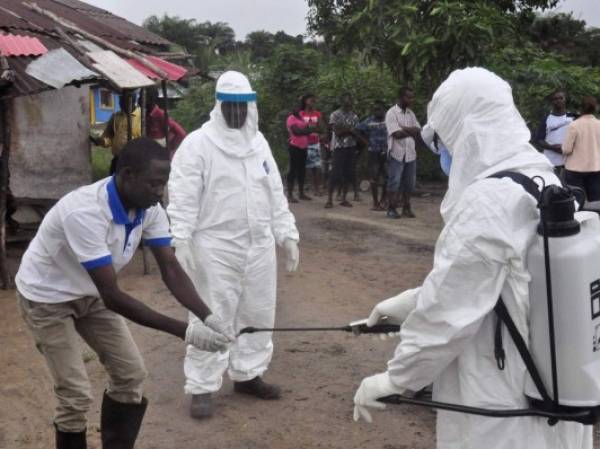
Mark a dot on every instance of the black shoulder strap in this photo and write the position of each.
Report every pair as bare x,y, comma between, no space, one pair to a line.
524,181
504,317
502,312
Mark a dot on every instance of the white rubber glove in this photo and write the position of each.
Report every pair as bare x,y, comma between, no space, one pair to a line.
216,324
371,389
184,254
396,308
292,255
204,338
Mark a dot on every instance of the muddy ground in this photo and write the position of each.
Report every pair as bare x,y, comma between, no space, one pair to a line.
350,259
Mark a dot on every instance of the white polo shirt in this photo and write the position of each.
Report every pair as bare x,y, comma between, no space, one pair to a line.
86,229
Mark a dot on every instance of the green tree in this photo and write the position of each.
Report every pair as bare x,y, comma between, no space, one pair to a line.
422,39
205,40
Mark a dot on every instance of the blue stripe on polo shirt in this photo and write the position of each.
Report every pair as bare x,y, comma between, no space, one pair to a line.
99,262
160,241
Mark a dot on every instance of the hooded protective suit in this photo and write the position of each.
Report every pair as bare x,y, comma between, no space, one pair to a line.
448,339
227,211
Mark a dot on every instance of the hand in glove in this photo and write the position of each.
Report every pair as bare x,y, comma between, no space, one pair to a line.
292,255
204,338
216,324
184,254
396,308
371,389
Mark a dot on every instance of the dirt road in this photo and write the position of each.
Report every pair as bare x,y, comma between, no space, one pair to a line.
350,259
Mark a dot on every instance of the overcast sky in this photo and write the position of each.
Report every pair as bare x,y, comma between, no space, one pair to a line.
272,15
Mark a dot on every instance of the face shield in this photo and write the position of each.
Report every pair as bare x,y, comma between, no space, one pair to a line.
234,107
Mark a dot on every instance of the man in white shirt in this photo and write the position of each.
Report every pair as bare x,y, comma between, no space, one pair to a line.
552,130
67,286
403,129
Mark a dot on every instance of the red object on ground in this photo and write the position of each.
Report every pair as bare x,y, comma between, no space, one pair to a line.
15,45
174,72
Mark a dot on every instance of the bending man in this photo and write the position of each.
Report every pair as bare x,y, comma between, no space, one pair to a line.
228,210
448,336
67,285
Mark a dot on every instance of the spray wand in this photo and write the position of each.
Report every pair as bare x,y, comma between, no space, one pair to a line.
356,327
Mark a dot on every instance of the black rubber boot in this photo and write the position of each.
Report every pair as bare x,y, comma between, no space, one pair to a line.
70,440
201,406
258,388
120,423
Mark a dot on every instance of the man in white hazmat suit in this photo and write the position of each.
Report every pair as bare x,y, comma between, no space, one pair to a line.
228,210
448,324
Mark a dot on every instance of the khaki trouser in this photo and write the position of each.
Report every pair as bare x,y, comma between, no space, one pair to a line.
55,328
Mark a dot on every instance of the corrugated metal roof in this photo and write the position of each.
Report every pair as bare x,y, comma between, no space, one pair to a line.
118,71
175,72
15,15
15,45
24,84
58,68
131,30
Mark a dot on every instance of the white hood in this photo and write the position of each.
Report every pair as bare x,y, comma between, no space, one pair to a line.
235,142
474,115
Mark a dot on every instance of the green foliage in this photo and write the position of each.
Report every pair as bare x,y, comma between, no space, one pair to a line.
567,36
101,158
371,47
534,74
194,109
204,40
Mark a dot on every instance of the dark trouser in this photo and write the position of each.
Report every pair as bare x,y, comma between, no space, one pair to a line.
342,171
113,165
355,161
588,181
377,167
297,170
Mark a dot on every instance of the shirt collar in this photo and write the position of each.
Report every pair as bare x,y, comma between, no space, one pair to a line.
119,214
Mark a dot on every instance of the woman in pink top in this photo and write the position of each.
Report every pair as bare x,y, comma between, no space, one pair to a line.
313,118
298,131
582,149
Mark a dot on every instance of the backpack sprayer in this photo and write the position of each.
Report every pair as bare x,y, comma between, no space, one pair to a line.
564,315
564,350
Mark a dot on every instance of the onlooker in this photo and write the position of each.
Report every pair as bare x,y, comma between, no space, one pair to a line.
552,129
403,129
374,128
115,133
155,123
298,131
313,118
344,141
582,150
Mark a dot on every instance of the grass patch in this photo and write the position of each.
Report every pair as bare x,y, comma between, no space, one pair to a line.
101,158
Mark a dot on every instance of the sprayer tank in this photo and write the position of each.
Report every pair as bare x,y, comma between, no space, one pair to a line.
575,273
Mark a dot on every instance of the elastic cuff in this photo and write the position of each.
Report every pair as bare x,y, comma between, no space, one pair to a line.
99,262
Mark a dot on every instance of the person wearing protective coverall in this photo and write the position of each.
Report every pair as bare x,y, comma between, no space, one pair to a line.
228,210
448,323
